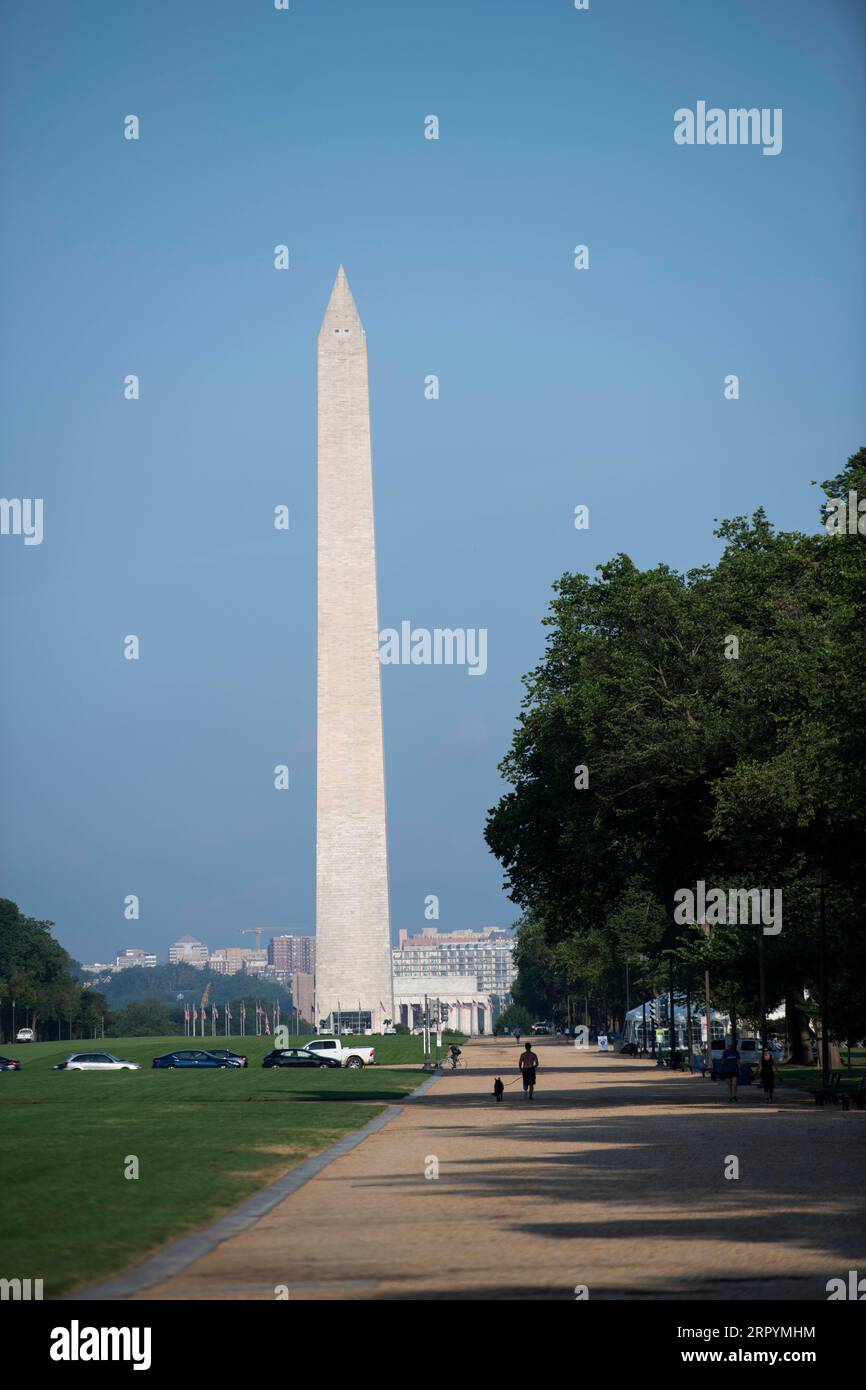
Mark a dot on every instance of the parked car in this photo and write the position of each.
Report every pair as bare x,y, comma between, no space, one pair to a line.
229,1055
350,1056
9,1064
96,1061
298,1057
25,1035
193,1057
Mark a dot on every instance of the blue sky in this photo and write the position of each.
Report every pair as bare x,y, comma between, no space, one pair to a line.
558,387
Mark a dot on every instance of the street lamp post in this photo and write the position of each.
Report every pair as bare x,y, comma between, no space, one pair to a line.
672,1013
425,1035
689,1053
704,923
825,1033
762,998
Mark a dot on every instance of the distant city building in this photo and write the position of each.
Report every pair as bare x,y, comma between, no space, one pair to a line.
486,956
233,960
188,951
302,994
293,953
260,968
133,955
462,1005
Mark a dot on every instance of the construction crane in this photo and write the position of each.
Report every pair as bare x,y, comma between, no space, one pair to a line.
268,931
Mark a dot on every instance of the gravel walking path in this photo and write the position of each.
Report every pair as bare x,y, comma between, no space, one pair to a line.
613,1177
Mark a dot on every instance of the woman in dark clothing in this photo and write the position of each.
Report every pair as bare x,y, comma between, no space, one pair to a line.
729,1068
768,1075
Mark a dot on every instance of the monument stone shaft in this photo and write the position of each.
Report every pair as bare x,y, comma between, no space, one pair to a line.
353,935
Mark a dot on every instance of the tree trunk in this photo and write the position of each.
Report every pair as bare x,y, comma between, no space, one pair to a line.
798,1038
833,1049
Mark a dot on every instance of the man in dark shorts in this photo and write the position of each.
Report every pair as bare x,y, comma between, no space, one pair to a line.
528,1066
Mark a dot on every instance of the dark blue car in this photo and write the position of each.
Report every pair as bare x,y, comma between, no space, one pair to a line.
193,1057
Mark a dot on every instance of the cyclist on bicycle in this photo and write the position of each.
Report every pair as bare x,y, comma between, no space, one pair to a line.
454,1052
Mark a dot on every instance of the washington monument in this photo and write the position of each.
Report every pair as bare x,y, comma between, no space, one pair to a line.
353,934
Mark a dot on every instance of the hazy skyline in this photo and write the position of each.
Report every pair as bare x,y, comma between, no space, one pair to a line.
558,387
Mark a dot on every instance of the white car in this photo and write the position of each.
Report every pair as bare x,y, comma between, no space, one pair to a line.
96,1061
24,1035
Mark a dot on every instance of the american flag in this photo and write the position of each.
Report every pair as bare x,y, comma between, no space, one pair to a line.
267,1025
195,1015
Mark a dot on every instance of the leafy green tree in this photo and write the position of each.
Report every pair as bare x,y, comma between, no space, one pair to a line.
35,971
707,725
145,1019
515,1016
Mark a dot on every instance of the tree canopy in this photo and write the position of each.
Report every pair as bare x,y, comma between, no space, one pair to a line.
707,725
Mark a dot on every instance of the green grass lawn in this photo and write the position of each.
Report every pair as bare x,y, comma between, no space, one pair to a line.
809,1078
204,1141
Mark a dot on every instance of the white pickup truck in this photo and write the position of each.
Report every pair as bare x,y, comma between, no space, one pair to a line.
348,1055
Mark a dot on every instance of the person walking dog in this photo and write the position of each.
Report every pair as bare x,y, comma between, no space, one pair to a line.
528,1066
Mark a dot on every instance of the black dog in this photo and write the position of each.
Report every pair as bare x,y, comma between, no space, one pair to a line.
498,1088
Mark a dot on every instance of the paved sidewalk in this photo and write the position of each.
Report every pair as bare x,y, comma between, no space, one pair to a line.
613,1177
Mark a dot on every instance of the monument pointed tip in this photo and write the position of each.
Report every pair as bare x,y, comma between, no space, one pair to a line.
341,306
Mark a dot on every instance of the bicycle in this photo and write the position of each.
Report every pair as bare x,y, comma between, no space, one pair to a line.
449,1063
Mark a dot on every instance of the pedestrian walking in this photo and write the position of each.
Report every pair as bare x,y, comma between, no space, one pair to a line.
528,1067
729,1068
768,1074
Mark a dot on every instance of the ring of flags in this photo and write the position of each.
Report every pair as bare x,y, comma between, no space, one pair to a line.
198,1014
